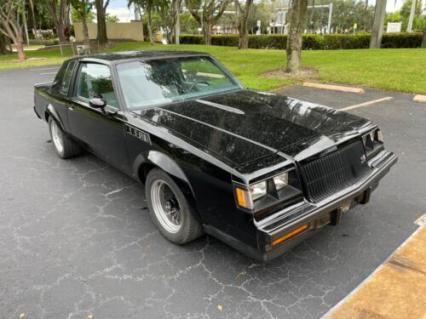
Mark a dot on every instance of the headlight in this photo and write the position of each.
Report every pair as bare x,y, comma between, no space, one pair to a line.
258,190
246,197
372,141
281,181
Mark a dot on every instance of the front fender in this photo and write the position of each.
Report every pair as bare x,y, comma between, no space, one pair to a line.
167,164
162,161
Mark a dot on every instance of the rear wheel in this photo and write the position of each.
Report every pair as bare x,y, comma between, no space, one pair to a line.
169,209
64,146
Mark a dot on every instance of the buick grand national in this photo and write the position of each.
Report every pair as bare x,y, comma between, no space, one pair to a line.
257,170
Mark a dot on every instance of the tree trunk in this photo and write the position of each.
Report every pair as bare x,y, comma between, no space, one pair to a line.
101,23
33,19
176,26
243,26
378,24
411,17
3,49
243,41
85,28
60,31
297,14
149,25
207,32
58,18
20,48
424,39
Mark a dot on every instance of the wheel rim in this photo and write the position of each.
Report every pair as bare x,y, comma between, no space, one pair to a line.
56,137
166,207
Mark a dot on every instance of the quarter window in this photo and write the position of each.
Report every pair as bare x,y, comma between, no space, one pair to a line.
63,78
94,80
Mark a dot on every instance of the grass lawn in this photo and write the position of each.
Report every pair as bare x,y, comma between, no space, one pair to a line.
391,69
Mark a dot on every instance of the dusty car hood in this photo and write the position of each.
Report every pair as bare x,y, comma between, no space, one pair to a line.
246,125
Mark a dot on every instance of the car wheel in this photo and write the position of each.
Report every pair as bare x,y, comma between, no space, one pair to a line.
169,209
64,146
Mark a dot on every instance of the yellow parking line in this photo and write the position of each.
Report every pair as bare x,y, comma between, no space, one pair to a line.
333,87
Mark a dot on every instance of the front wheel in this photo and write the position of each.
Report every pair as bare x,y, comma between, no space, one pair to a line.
169,209
64,146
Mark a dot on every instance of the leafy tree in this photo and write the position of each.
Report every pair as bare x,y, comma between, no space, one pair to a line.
188,23
345,15
10,23
101,7
207,13
43,15
263,11
82,12
148,8
112,18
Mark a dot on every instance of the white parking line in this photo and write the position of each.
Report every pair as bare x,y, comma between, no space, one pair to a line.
44,69
48,73
368,103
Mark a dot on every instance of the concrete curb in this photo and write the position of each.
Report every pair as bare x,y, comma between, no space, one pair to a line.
419,98
332,87
394,290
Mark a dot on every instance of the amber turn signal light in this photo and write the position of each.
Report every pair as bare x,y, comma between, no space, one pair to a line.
291,234
243,198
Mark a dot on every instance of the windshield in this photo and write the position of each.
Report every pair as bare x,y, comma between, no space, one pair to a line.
151,83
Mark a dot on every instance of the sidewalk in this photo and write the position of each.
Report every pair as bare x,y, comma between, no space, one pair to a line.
397,289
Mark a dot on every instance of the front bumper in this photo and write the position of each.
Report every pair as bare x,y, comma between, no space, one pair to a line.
309,216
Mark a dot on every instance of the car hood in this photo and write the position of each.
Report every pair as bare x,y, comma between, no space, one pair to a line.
244,125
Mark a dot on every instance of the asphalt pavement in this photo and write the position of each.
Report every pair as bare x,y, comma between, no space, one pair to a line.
76,238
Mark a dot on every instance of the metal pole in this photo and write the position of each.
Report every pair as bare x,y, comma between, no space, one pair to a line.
330,14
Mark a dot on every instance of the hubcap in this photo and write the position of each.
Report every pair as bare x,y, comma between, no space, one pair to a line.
56,137
166,206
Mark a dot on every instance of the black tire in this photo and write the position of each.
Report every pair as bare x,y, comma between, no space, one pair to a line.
69,147
190,228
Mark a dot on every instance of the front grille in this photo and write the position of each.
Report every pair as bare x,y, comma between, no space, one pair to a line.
335,171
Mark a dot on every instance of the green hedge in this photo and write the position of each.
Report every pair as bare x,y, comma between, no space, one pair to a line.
313,41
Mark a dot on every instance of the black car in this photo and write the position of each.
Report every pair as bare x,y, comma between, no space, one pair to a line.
257,170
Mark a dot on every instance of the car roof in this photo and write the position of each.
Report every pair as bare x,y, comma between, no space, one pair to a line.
112,58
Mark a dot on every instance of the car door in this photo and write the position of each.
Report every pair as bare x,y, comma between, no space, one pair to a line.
101,130
59,92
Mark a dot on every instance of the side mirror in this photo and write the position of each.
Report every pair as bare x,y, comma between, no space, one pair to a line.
97,103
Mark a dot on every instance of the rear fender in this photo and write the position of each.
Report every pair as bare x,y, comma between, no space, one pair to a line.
50,111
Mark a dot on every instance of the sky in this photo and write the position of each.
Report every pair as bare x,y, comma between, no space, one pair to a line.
119,8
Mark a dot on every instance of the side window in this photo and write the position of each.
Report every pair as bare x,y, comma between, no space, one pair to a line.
94,80
63,78
66,80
